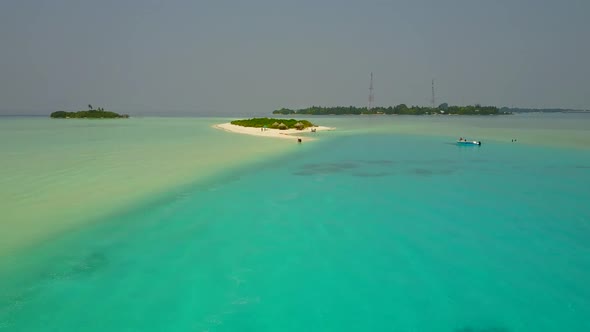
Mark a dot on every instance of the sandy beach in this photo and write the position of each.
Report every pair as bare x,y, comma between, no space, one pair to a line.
291,134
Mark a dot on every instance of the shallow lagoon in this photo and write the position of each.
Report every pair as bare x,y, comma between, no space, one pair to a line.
376,226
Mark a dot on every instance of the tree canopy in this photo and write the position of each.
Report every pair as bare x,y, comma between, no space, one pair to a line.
98,113
273,123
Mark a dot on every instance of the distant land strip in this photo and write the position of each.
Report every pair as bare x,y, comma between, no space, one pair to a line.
403,109
541,110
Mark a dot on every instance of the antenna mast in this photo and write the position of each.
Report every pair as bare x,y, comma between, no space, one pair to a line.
371,97
433,100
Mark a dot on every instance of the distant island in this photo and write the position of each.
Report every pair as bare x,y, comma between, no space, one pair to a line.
401,109
91,113
541,110
281,124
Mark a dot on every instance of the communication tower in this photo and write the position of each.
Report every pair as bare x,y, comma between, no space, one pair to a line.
433,101
371,96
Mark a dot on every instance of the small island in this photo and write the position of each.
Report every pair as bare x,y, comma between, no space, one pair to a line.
401,109
91,113
275,128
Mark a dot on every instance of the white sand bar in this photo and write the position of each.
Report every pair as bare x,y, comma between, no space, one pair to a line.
291,134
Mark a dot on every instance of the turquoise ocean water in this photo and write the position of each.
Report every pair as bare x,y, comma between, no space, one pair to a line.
359,231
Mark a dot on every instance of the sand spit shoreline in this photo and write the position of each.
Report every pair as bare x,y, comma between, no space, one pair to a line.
292,134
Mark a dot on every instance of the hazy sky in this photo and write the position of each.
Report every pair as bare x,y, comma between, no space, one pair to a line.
222,57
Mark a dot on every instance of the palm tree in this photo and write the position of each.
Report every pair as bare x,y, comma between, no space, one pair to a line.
90,107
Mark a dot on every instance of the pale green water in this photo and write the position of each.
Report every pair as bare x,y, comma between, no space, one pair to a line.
57,174
557,130
382,225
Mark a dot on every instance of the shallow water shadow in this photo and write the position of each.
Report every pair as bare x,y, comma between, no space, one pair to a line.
17,299
10,305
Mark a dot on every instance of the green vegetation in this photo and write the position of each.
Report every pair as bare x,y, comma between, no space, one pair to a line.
273,123
98,113
399,109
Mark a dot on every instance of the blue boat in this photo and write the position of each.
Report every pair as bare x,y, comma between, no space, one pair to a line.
466,142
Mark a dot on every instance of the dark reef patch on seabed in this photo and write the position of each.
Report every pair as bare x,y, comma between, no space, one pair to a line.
339,165
378,162
84,267
429,172
90,264
422,171
372,168
371,175
484,329
326,168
